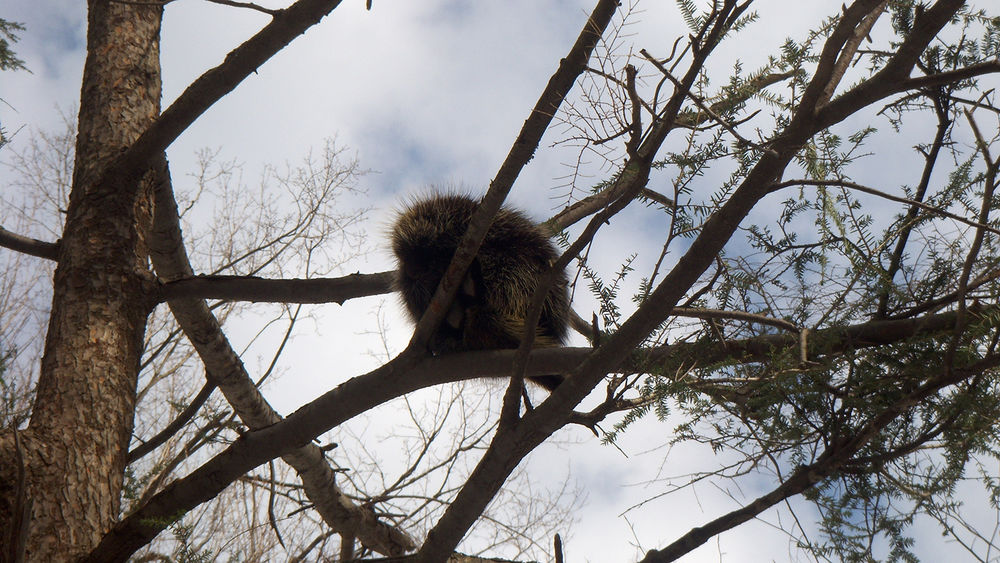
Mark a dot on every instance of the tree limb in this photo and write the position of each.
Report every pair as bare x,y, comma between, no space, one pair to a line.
915,203
28,245
251,288
286,25
176,424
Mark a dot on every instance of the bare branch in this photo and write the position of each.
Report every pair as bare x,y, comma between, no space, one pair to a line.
176,424
850,49
243,288
213,85
248,5
736,315
28,245
885,195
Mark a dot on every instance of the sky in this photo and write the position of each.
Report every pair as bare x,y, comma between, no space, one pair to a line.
428,93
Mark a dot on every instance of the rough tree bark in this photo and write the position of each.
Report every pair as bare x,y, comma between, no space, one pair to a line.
73,452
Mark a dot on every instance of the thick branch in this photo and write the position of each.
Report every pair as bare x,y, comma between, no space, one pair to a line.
952,76
895,76
28,245
215,83
240,288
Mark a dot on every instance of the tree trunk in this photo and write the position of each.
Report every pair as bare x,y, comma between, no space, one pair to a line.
73,452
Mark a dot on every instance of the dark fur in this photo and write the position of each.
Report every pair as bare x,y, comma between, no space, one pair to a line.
489,309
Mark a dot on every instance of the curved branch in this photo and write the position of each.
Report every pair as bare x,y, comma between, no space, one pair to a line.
890,197
286,25
176,424
697,313
28,245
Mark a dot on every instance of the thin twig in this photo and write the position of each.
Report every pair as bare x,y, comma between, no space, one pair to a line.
879,193
176,424
248,5
700,102
735,315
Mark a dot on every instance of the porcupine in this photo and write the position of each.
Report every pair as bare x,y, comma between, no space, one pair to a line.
488,311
